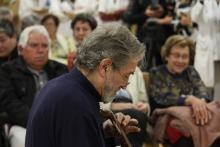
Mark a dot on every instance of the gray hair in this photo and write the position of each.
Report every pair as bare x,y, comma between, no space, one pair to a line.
177,41
112,41
29,20
25,34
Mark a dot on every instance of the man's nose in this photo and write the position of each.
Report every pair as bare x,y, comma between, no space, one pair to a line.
41,48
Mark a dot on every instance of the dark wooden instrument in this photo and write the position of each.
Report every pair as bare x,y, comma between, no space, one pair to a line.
110,115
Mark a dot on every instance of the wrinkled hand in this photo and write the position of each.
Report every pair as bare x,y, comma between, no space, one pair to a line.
128,124
200,111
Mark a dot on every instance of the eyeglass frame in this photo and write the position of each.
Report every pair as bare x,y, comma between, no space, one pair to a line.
177,56
125,79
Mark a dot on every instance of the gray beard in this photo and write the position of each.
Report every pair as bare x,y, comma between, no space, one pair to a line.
108,99
109,95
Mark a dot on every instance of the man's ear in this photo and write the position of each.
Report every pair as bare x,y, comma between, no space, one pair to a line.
104,66
20,50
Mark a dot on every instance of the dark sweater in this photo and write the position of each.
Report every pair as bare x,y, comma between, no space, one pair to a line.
66,114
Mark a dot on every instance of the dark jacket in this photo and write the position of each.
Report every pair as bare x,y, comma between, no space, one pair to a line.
13,55
135,14
18,88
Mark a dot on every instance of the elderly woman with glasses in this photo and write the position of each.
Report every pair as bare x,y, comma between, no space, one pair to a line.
177,83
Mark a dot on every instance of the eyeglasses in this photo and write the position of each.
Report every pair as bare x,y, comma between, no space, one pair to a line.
125,79
177,56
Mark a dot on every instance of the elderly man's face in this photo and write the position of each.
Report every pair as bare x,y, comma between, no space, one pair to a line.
35,53
7,44
116,79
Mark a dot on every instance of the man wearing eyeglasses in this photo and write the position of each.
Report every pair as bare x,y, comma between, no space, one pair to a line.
22,78
68,107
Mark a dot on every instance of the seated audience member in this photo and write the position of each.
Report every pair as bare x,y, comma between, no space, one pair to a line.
8,51
81,25
22,78
177,83
29,20
40,8
133,101
6,13
8,41
67,7
71,8
86,6
60,46
112,10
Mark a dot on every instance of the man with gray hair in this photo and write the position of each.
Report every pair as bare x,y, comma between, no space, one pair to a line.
66,112
23,77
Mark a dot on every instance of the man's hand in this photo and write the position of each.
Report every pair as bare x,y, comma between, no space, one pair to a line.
125,122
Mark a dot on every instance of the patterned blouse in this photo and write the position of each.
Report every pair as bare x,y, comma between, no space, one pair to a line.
167,89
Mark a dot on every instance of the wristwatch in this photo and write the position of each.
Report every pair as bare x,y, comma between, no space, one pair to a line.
182,99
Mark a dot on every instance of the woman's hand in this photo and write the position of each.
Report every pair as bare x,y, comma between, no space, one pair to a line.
200,111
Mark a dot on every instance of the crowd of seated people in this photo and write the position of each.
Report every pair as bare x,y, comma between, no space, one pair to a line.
176,35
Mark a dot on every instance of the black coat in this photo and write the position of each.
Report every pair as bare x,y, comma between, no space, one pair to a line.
18,88
13,55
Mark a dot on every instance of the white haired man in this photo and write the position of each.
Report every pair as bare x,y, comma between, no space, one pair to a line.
22,78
